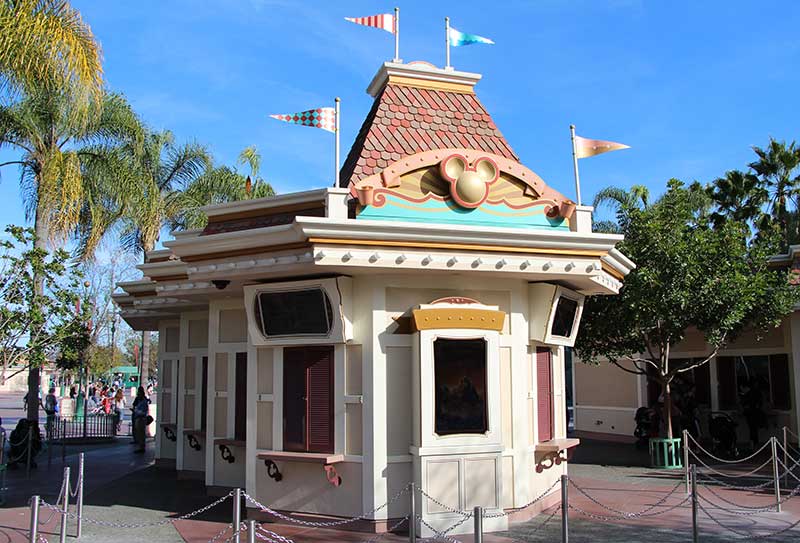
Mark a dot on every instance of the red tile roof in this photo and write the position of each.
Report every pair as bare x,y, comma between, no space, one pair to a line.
407,120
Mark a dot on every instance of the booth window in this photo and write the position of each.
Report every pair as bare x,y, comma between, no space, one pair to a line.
294,312
308,399
564,318
460,380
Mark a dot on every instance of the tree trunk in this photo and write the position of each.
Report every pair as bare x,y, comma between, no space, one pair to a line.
40,228
668,409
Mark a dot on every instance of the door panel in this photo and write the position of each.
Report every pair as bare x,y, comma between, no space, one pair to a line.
240,422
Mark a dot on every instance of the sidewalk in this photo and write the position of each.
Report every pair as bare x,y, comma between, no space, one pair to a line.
124,489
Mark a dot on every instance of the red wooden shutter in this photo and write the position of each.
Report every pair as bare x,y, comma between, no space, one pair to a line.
320,399
779,381
240,423
544,393
726,382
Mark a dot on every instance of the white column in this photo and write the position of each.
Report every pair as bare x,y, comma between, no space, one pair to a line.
251,438
520,366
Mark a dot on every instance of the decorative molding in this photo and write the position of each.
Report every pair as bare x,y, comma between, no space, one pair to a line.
450,318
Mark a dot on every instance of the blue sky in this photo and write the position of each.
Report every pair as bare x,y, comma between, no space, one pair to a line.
690,86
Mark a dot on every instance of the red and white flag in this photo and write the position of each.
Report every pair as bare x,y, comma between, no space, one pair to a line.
384,21
322,117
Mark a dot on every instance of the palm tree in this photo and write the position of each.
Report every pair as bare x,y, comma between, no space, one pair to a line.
777,169
255,186
160,171
622,202
57,154
767,195
46,46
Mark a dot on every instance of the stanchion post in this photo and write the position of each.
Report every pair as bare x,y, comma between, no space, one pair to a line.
686,459
34,533
564,509
62,536
237,514
81,467
694,504
786,456
477,516
412,516
29,451
251,531
775,474
63,441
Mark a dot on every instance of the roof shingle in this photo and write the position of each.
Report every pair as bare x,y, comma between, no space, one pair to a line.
407,120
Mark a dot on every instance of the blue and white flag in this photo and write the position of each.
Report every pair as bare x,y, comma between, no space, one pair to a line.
457,38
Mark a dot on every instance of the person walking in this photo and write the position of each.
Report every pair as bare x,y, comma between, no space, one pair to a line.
141,412
50,408
118,406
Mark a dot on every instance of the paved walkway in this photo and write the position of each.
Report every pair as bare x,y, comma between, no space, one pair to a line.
123,488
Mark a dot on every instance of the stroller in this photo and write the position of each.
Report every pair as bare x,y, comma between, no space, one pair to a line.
18,444
722,428
647,423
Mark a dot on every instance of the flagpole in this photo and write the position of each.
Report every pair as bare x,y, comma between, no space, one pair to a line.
575,164
397,34
336,145
447,42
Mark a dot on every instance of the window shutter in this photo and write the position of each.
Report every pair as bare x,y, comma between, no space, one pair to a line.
726,382
204,395
240,424
544,393
779,381
320,400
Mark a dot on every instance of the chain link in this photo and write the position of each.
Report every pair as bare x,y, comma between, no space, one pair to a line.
216,537
445,507
717,458
139,525
537,499
363,516
437,535
763,509
745,535
627,514
539,527
730,475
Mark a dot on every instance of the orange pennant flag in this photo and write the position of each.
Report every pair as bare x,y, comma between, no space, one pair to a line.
584,147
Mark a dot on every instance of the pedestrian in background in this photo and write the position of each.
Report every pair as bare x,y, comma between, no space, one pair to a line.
141,412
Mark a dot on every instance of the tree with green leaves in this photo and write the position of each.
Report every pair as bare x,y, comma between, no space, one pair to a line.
767,194
68,167
689,274
37,324
45,46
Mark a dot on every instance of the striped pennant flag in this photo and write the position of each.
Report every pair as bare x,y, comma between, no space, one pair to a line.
322,117
384,21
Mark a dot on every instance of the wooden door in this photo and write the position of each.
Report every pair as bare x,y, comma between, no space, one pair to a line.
544,393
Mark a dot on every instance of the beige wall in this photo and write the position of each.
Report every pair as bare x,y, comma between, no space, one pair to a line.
604,385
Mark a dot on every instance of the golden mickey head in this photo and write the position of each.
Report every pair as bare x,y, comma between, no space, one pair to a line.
469,184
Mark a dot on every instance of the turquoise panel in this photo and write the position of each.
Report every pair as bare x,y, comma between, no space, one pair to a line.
435,211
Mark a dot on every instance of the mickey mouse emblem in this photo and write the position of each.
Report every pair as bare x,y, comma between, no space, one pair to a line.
469,184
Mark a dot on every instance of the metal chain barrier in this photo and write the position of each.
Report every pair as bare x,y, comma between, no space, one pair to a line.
465,514
108,524
738,487
743,508
271,537
437,535
717,458
540,497
745,535
731,475
556,510
363,516
392,528
631,515
216,537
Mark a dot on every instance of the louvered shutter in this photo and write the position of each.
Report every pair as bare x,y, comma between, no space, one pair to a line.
240,407
779,381
726,382
320,399
204,395
544,393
